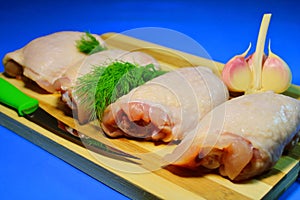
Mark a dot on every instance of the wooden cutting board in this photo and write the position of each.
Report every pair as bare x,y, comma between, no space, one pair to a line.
144,179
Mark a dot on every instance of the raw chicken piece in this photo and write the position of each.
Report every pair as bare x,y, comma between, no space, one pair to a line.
104,58
46,58
166,107
139,58
85,66
243,137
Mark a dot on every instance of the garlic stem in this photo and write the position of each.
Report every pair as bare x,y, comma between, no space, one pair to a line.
259,52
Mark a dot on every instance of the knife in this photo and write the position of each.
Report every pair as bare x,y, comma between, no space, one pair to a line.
28,107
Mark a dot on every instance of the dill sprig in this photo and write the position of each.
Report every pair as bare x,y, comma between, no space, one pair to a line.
88,44
105,84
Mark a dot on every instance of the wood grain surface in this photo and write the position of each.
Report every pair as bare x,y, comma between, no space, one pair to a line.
145,178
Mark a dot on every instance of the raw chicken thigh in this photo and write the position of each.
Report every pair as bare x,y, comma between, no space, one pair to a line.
85,66
242,137
45,59
166,107
104,58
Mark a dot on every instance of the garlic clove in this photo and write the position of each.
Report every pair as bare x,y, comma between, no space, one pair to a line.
237,74
276,74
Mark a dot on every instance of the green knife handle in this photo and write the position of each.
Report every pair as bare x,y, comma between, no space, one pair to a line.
15,98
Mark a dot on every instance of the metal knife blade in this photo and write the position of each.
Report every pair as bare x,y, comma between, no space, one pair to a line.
29,108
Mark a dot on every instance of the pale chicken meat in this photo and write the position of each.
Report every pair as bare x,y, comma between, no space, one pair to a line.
242,137
167,107
46,58
69,79
101,59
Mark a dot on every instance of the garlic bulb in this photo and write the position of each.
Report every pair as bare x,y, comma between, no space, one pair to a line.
258,72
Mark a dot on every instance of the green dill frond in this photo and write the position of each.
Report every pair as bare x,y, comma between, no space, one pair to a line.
105,84
88,44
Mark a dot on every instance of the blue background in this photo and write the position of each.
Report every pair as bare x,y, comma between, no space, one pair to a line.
223,28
